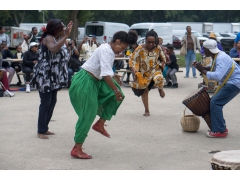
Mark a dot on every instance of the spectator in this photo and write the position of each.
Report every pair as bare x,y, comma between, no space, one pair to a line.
214,37
132,48
17,65
30,58
172,68
5,85
4,37
235,51
32,37
191,43
74,56
88,46
6,53
236,40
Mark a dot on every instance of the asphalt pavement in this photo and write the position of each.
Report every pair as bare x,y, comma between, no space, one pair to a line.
156,142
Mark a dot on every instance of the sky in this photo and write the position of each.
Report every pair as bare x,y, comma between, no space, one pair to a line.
118,5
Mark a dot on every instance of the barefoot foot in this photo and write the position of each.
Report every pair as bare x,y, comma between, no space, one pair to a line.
50,133
42,136
146,114
161,93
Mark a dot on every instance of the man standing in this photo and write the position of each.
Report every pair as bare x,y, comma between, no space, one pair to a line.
227,72
191,43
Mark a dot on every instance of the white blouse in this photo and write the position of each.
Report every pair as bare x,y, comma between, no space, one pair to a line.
101,62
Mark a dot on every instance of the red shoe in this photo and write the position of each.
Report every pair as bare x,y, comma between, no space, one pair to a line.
216,134
99,127
78,153
226,131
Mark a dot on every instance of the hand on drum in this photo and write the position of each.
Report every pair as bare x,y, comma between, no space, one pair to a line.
199,67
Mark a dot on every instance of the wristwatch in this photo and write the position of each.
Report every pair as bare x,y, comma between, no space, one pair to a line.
116,90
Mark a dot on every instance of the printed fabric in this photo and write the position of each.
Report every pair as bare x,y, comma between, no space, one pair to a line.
148,67
51,72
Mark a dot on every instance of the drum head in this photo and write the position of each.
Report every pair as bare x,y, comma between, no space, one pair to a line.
228,159
193,94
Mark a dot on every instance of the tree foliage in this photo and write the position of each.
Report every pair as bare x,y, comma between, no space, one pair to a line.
13,18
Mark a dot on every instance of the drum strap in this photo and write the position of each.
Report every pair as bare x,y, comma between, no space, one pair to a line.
225,80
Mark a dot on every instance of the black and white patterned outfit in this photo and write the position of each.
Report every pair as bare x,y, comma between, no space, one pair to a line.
51,71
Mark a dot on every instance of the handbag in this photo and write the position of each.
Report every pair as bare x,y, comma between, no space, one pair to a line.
74,64
183,50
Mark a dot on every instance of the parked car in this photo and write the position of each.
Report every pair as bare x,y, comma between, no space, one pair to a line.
141,41
228,35
205,35
199,37
177,42
227,43
218,36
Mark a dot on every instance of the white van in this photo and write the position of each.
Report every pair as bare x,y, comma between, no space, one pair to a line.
15,35
182,33
164,30
80,35
104,31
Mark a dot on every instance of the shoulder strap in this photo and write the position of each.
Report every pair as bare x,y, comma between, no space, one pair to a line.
30,39
225,80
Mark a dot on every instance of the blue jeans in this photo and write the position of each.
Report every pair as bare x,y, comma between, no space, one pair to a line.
189,58
224,95
48,102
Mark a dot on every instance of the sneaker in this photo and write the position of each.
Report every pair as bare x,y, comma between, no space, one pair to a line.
169,84
216,134
185,76
226,130
8,94
27,88
195,76
175,85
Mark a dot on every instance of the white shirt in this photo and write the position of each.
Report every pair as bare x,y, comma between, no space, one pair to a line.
101,62
88,50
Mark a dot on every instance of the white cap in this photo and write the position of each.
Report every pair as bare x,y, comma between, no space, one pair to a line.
211,45
32,44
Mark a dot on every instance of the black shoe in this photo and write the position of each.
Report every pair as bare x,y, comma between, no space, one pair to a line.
175,85
169,84
19,83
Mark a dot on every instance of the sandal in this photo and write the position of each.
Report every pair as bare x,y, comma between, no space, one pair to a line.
78,153
99,127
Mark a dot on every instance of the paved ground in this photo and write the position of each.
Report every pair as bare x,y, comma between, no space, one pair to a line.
137,142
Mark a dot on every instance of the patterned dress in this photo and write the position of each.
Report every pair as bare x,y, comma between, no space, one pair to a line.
148,66
51,72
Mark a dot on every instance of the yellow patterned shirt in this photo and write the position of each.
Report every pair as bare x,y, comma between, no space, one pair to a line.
148,67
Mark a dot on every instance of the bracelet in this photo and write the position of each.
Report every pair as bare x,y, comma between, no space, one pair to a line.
116,90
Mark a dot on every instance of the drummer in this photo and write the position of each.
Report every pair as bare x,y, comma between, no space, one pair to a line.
222,68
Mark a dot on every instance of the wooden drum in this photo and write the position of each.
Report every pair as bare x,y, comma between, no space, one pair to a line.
199,103
226,160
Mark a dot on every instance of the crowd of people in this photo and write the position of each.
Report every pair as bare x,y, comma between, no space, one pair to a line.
94,85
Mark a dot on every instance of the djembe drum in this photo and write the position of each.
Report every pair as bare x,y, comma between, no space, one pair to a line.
199,103
226,160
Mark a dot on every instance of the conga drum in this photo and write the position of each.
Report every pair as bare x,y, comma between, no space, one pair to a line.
226,160
199,103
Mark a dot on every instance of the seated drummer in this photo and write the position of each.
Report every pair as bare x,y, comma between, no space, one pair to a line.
220,71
